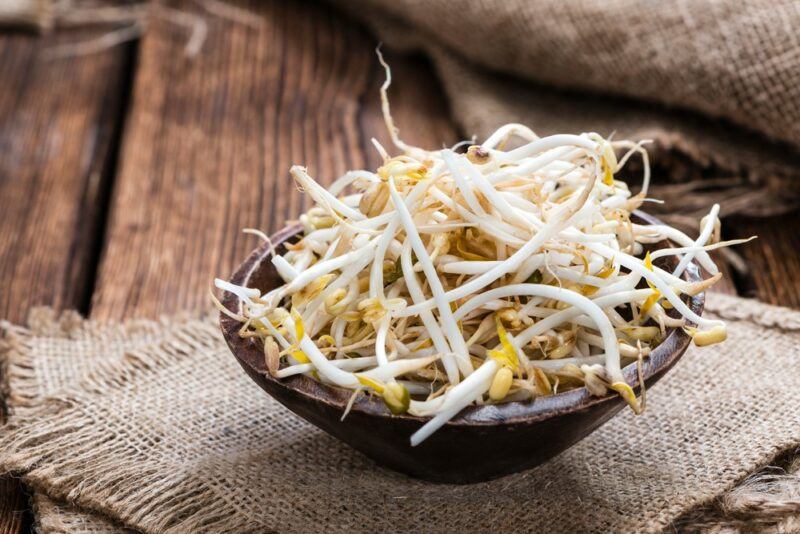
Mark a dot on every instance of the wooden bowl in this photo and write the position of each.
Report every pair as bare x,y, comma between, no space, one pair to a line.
491,440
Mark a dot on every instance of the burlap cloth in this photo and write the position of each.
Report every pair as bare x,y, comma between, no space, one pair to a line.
154,426
715,83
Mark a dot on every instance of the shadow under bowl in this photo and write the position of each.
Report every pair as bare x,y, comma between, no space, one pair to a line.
482,442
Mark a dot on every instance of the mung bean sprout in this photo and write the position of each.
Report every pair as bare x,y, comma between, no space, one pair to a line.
449,278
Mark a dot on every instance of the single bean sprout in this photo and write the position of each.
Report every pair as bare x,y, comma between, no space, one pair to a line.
448,279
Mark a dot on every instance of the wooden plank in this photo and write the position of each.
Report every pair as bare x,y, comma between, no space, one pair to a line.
57,120
773,260
210,142
12,506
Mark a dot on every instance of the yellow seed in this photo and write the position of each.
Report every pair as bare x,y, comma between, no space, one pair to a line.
351,316
642,333
501,383
277,316
561,351
316,287
322,222
605,273
332,301
478,155
272,356
506,355
300,356
593,382
396,397
651,301
403,171
718,334
374,200
541,382
325,341
584,260
299,327
424,345
588,290
372,310
417,175
656,295
371,383
627,394
609,163
561,305
608,175
363,284
510,317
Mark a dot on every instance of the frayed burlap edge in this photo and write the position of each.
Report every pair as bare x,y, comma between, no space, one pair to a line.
769,499
54,517
16,360
153,489
51,513
739,309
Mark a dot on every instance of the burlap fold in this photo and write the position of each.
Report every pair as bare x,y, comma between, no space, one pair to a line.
714,83
27,381
170,435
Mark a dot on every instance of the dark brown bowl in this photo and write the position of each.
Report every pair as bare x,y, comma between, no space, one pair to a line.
492,440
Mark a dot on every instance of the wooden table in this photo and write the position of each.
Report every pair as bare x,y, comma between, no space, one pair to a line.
126,175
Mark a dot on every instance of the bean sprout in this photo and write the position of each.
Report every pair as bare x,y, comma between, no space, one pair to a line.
448,279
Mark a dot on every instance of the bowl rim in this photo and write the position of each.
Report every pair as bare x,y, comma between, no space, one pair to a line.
250,355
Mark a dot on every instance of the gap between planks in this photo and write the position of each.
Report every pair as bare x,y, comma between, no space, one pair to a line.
58,123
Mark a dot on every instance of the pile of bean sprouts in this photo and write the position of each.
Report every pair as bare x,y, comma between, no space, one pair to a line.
456,277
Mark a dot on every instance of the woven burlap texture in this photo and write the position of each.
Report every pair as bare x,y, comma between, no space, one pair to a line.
171,435
71,355
664,71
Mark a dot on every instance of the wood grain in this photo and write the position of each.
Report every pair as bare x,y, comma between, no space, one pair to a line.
773,260
57,119
210,141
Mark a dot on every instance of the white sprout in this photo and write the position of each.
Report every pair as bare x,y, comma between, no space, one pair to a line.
447,279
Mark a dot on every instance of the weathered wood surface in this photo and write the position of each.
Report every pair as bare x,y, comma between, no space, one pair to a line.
773,260
206,150
57,120
210,141
57,124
